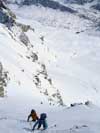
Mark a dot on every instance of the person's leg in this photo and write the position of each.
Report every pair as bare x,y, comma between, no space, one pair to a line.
39,124
36,123
45,125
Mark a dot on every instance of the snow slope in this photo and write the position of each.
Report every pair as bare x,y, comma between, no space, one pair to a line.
78,119
75,65
24,73
67,47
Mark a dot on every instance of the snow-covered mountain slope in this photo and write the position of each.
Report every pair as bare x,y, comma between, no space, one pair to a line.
58,4
50,58
78,119
25,63
76,53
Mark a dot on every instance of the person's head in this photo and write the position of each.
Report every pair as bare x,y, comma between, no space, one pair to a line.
43,116
33,111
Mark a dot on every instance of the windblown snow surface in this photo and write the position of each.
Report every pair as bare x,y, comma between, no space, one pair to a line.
70,51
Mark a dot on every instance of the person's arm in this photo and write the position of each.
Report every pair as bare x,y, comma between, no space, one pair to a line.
28,118
37,117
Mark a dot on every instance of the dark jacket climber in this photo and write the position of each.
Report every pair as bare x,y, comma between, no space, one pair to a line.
33,115
41,122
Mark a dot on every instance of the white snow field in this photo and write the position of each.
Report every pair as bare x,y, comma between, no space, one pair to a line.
72,61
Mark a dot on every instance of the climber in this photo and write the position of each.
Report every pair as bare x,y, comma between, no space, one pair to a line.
41,122
33,115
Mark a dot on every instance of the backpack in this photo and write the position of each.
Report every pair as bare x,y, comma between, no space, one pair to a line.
43,116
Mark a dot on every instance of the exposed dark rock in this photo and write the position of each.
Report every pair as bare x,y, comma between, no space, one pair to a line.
84,16
34,56
3,17
50,80
41,103
23,70
87,103
98,26
46,92
3,80
77,32
24,27
24,38
28,57
2,5
50,4
59,97
75,104
80,2
44,71
96,7
6,16
6,19
37,81
42,39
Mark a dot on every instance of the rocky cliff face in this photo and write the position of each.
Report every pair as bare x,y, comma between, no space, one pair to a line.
81,2
45,3
94,4
3,80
